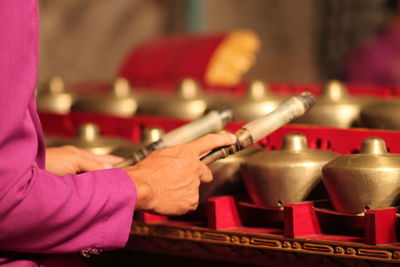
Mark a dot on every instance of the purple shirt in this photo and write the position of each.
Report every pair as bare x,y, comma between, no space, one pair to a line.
42,213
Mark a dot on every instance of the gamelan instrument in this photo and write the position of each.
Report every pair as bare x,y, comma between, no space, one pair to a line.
255,130
148,136
89,137
213,121
336,107
54,97
258,102
291,174
120,101
382,115
367,180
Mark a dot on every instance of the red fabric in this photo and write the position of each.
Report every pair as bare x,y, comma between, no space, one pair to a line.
170,59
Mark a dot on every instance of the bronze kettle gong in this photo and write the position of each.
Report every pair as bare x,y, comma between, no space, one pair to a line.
188,102
335,108
273,178
89,137
149,135
226,176
54,97
256,103
118,102
382,115
368,180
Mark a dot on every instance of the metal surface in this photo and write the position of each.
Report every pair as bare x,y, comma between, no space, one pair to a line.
120,101
152,134
258,102
382,115
226,176
368,180
188,102
90,138
274,178
54,97
335,108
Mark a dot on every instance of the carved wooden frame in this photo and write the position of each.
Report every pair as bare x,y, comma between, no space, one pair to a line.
353,250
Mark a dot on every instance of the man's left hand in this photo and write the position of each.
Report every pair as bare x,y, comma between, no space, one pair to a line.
71,160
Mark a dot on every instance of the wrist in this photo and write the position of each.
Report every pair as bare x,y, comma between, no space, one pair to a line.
143,190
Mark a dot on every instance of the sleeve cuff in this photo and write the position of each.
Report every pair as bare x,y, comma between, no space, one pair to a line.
119,210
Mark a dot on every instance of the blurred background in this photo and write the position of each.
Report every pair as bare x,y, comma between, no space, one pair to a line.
301,41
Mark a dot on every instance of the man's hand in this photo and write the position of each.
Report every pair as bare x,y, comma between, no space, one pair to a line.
71,160
168,180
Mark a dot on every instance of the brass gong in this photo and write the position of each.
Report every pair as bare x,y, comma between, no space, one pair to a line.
335,107
120,101
382,115
149,135
90,138
274,178
54,97
368,180
189,102
226,176
257,102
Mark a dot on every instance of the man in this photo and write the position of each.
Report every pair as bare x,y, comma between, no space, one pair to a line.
55,211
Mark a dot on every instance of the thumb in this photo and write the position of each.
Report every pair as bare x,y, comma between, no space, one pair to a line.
208,142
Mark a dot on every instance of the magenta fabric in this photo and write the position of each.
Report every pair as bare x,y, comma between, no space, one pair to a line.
41,213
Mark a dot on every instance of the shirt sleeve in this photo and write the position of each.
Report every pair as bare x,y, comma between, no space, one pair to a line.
41,212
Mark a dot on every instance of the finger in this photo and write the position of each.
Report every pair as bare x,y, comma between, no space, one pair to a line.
208,142
205,173
85,164
194,206
107,160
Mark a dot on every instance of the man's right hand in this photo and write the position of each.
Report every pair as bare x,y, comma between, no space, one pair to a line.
168,180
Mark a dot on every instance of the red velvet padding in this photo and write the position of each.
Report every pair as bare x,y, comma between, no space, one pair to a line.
170,59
